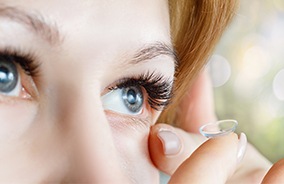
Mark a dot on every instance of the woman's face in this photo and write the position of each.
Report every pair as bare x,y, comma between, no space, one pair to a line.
80,85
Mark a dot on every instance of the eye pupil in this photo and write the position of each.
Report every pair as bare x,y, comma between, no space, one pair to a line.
133,98
8,76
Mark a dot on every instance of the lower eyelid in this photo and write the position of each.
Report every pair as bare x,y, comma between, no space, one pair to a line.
125,121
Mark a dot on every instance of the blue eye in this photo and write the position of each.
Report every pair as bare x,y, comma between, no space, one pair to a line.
126,100
128,95
133,98
9,78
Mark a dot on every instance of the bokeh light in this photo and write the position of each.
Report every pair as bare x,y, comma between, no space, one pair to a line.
256,63
220,70
278,85
249,60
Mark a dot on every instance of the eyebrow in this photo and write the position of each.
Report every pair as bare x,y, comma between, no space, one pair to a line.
153,50
50,33
33,21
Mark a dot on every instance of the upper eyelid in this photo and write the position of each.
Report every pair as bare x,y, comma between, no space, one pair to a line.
27,60
146,76
162,86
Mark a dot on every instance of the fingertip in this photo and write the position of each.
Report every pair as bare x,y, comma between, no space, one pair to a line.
166,148
170,146
170,141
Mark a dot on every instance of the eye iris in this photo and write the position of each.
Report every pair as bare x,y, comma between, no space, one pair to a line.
8,76
133,99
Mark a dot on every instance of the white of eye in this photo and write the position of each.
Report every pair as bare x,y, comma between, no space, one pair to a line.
114,101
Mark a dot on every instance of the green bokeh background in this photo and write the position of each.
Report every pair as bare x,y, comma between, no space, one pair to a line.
254,47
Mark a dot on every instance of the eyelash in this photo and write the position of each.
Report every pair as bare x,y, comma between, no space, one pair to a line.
27,60
158,88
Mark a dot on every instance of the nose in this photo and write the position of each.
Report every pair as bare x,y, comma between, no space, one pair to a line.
95,158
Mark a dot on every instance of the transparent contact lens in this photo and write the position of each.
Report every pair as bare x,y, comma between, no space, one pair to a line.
218,128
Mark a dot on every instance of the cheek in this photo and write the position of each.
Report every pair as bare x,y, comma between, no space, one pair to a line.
15,119
132,144
26,151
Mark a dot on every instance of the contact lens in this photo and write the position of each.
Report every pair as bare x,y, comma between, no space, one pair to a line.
218,128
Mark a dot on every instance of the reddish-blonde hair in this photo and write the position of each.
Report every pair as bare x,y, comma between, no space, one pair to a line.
196,26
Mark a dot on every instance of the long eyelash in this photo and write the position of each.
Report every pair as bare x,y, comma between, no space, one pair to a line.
26,60
158,88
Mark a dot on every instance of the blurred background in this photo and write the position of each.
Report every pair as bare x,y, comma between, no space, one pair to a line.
247,71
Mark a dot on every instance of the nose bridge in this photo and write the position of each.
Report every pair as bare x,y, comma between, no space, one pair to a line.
93,147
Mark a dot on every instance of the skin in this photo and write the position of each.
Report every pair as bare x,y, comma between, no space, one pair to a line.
57,129
199,165
63,126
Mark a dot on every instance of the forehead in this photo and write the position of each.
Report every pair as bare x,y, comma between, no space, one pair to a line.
100,30
103,20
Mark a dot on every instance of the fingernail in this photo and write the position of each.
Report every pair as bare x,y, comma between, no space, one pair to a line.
170,141
241,147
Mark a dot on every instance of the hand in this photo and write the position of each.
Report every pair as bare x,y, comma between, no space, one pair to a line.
196,109
275,175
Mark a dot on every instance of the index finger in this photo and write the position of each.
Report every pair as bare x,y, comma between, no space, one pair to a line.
213,162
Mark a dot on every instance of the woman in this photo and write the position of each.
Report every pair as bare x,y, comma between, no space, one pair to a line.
82,82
